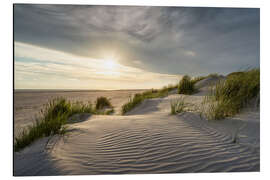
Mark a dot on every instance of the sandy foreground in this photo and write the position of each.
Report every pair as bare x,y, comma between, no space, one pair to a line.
148,140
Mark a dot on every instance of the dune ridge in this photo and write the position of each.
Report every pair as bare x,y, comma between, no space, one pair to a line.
149,140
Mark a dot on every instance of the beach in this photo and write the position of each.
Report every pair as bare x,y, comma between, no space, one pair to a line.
148,139
28,103
136,89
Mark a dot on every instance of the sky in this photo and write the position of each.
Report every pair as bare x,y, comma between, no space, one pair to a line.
129,47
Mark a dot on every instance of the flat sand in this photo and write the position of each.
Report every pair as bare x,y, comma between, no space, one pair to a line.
148,140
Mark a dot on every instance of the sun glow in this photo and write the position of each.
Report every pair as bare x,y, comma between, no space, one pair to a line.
70,71
110,68
110,64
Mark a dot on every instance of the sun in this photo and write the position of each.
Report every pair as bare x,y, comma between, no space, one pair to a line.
110,64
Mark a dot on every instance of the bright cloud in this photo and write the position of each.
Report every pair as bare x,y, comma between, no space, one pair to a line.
37,67
115,47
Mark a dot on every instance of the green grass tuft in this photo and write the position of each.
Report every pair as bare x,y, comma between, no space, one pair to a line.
132,102
229,96
186,86
177,106
197,79
214,75
54,116
102,102
140,97
235,73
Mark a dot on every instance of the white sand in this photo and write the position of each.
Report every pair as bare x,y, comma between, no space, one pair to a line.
148,140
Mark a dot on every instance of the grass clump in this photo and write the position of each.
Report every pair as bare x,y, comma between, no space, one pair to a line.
54,115
214,75
197,79
102,102
52,119
186,86
228,97
140,97
132,102
235,73
177,106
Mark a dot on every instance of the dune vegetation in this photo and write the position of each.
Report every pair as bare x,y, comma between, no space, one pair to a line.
186,85
140,97
52,120
178,105
199,78
226,98
229,96
102,102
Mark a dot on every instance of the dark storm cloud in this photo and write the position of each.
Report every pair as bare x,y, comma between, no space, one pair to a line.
161,39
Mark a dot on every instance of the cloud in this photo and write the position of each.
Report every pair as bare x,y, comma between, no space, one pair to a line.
190,53
165,40
50,66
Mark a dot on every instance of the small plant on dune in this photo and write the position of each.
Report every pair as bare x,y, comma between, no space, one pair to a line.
52,119
132,102
186,86
102,102
177,106
197,79
149,94
213,75
220,109
235,73
228,97
54,116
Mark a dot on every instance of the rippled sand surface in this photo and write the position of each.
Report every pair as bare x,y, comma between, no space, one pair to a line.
148,140
151,144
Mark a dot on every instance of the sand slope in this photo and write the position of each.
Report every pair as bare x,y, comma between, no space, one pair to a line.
148,140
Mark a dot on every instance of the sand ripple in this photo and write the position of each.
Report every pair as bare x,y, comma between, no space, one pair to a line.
148,140
169,144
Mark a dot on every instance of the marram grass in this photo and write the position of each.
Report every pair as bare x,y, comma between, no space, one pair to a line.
140,97
177,106
186,86
53,118
102,102
229,96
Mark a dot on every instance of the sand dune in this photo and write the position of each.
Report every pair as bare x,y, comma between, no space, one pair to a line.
148,140
209,81
27,104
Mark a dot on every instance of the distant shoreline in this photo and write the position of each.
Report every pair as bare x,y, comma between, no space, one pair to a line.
67,90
